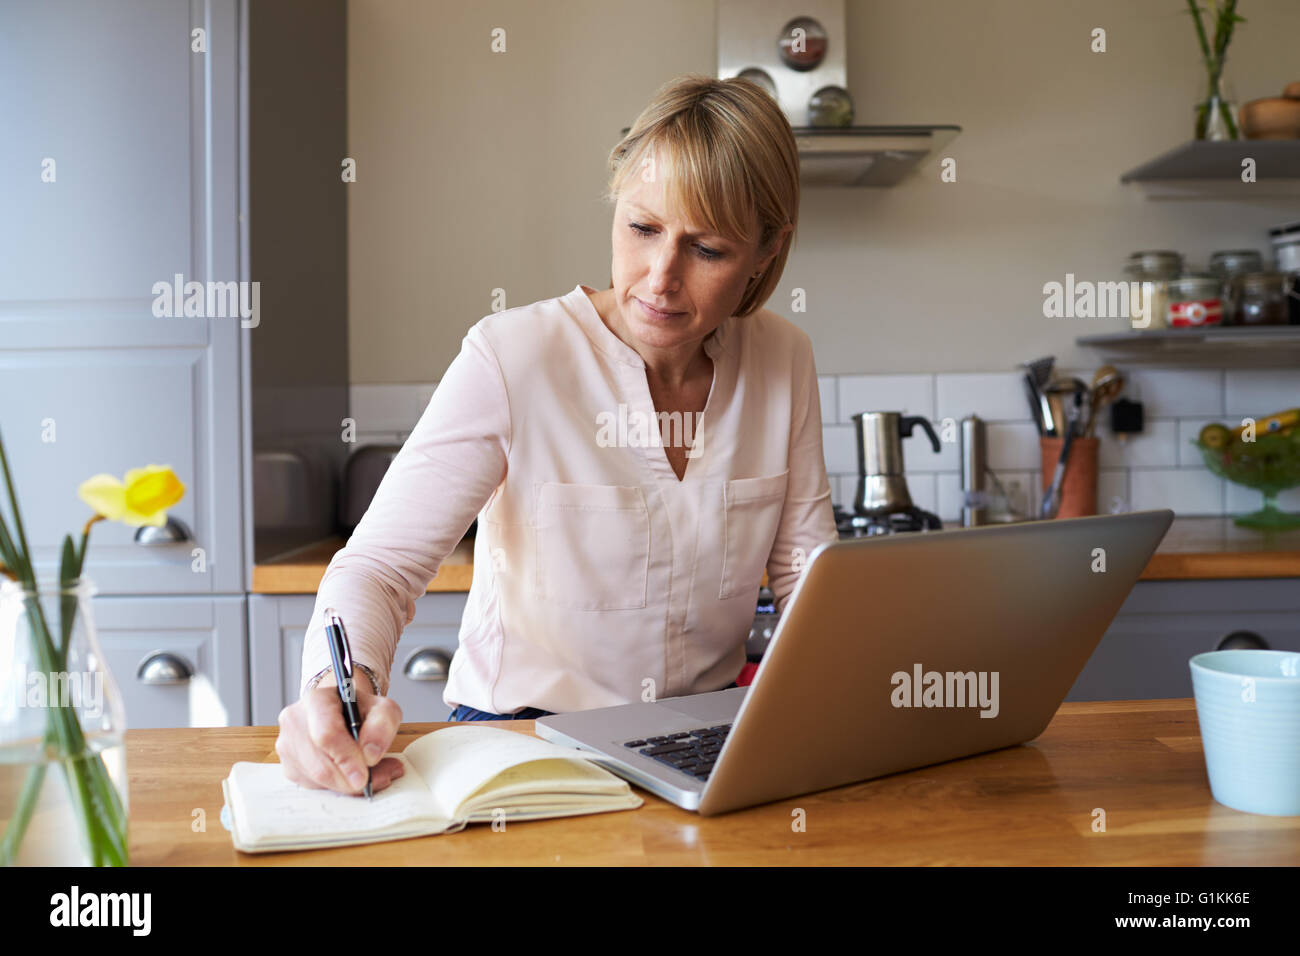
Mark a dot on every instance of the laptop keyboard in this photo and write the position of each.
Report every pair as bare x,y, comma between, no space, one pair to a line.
692,752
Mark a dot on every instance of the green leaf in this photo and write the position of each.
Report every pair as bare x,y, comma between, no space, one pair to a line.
24,552
68,574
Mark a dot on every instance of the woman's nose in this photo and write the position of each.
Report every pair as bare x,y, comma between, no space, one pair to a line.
664,267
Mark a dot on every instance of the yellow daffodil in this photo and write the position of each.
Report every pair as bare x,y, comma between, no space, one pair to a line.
143,499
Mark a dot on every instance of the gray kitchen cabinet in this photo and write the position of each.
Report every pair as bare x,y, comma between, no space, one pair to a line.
1163,624
116,180
278,623
178,661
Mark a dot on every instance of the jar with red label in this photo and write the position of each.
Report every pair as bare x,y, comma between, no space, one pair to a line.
1195,300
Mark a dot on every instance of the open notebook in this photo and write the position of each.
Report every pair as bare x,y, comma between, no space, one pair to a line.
454,776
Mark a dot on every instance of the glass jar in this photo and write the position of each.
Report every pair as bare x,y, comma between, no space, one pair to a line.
1151,269
1195,300
1261,298
1226,265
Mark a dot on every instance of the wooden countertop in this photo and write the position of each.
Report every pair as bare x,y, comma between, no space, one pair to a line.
1194,548
1140,761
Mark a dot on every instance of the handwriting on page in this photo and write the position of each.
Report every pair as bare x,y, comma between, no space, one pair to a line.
280,807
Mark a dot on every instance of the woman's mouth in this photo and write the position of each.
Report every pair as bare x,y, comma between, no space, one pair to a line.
653,313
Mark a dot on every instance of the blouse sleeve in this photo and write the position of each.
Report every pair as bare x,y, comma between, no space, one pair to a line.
444,474
807,519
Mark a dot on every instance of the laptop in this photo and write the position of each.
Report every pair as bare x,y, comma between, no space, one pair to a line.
893,652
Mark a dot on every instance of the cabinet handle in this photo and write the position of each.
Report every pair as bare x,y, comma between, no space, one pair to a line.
1242,641
160,667
428,663
173,532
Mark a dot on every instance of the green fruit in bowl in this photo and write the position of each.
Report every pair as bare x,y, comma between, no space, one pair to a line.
1270,463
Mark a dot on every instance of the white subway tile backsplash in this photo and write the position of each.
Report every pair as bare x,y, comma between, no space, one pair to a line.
1259,392
1189,491
922,490
993,396
1156,468
1175,393
382,407
423,395
919,456
908,394
840,448
1153,447
1112,491
1189,456
827,389
1013,446
843,488
949,499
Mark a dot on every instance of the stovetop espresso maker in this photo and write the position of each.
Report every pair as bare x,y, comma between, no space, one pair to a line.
882,494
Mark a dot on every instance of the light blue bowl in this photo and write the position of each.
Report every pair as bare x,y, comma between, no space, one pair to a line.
1248,705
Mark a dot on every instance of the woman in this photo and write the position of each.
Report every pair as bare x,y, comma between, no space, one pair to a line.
636,457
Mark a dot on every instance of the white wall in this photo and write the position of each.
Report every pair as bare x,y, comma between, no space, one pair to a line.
480,170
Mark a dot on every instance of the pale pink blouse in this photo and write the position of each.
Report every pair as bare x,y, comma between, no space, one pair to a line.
599,577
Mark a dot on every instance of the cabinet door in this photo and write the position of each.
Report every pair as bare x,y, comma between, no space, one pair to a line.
178,662
279,623
120,171
1163,624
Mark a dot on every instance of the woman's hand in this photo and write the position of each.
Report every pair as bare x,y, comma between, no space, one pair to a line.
317,750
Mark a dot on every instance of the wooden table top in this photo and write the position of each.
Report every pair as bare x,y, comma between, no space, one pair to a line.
1139,761
1194,548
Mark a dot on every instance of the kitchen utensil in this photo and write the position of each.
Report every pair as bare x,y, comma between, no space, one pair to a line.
1057,391
1248,709
1037,374
1051,500
974,467
1107,383
882,488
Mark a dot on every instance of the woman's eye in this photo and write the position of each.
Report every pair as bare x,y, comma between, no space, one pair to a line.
705,251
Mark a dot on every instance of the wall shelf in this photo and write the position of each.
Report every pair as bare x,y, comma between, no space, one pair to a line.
1202,169
1234,345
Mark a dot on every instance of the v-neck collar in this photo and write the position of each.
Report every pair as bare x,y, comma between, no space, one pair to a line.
636,387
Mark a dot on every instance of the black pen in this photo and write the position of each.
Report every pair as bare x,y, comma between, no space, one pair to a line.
341,655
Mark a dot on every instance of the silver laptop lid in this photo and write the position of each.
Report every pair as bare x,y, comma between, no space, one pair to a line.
905,650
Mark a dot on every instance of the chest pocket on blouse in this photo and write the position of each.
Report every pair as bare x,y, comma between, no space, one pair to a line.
751,514
593,546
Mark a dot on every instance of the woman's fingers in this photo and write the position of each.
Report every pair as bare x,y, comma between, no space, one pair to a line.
317,750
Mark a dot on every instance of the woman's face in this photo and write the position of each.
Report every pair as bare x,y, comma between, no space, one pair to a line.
677,266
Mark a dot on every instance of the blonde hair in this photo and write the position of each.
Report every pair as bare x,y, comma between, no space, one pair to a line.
731,159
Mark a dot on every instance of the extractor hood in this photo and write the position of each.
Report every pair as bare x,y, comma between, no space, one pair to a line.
796,50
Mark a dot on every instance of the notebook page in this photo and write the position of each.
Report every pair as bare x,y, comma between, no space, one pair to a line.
268,805
457,761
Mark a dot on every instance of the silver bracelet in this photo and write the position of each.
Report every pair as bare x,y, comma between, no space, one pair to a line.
370,675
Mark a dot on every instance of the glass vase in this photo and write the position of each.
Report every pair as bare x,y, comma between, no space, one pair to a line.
63,784
1216,115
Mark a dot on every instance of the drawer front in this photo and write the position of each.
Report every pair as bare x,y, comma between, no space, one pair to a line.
197,642
419,667
1162,625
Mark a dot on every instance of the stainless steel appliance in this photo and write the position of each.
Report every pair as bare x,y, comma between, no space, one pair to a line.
882,500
